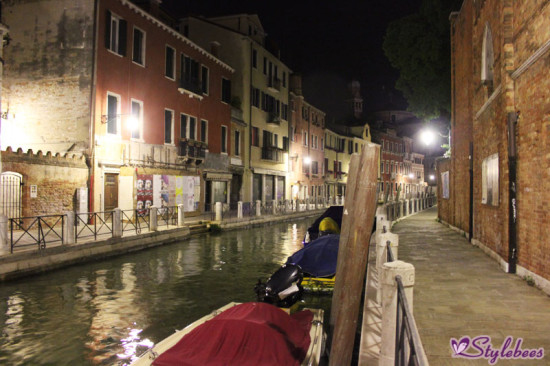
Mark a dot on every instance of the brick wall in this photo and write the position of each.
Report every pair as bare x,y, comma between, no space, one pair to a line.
521,42
56,177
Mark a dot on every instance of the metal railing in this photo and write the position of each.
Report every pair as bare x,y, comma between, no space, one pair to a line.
92,224
135,220
167,216
39,231
407,338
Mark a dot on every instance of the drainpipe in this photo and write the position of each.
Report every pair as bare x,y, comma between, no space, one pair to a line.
91,149
512,185
471,217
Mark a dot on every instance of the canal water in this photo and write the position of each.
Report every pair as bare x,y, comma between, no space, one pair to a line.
108,312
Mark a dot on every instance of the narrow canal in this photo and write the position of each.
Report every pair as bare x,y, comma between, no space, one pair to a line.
107,312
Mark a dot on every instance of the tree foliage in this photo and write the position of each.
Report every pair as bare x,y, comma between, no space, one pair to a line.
418,46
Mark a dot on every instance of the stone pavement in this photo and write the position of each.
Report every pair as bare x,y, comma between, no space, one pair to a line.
459,291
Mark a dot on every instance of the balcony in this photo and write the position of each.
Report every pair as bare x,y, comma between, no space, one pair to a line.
274,84
273,154
191,151
190,86
273,118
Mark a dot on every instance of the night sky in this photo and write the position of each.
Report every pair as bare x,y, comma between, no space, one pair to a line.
328,42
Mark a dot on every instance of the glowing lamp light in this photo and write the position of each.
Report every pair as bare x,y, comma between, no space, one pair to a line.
411,175
427,137
133,123
307,160
432,177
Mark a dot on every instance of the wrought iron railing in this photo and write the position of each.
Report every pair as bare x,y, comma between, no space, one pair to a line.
135,220
92,224
407,339
167,216
39,230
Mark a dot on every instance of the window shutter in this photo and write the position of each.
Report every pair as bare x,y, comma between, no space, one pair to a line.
122,37
108,30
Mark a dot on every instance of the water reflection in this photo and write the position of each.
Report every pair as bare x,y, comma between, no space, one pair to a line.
110,311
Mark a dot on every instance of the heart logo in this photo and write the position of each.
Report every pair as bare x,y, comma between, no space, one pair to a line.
459,346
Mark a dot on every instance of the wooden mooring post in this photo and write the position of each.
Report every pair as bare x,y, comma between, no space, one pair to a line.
357,222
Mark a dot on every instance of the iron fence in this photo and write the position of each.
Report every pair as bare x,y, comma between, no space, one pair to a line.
135,220
39,230
167,216
407,338
92,224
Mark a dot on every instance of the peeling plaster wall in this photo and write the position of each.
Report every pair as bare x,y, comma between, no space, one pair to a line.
48,74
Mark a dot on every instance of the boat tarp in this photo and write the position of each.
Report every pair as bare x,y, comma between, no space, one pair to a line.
247,334
319,257
334,212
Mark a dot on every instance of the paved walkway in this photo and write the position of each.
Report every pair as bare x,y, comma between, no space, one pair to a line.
459,291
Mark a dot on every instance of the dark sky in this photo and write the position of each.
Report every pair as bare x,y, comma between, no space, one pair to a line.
329,42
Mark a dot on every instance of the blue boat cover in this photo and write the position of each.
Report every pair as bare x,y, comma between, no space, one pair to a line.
319,257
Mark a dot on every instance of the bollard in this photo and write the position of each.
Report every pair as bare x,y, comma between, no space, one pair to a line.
258,208
4,242
406,207
240,209
117,223
219,208
153,221
389,305
69,238
382,254
181,215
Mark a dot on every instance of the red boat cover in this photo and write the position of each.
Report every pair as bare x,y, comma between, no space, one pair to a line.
247,334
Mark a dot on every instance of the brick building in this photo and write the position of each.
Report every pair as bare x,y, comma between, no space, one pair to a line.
146,106
307,133
500,120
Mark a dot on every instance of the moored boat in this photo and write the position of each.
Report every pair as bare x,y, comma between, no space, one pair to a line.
244,334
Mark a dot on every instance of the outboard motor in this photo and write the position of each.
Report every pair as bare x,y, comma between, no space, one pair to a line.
283,288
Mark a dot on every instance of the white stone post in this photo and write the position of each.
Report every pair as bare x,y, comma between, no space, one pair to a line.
181,215
258,208
69,238
219,209
153,221
274,208
4,241
117,223
382,255
407,208
240,209
389,305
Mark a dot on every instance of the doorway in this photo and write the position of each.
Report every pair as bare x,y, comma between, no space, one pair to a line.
111,192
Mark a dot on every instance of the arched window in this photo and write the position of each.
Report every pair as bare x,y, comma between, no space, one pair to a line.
487,57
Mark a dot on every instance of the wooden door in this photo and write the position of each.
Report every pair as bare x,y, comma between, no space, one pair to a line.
111,191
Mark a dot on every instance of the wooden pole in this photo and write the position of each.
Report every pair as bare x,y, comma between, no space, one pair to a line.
357,221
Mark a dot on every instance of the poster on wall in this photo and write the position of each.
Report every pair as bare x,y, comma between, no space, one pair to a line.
445,184
189,194
179,190
144,197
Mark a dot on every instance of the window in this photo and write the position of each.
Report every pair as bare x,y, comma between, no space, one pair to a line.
292,132
381,166
314,167
204,130
138,52
267,139
487,56
204,79
183,126
275,140
115,34
255,97
137,119
237,149
304,138
284,111
255,136
265,66
284,79
224,139
356,147
305,166
192,128
168,125
350,147
254,58
226,90
489,180
285,143
170,65
113,113
326,164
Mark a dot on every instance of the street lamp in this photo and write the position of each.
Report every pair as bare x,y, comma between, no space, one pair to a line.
427,137
307,160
